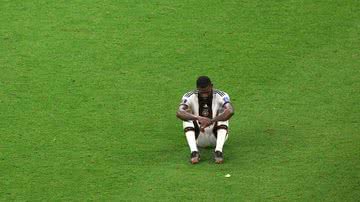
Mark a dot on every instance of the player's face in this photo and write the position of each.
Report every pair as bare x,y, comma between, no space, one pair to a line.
205,92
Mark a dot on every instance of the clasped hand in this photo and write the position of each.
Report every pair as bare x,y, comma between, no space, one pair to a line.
204,122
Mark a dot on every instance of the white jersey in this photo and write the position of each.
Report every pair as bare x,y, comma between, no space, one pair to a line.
210,108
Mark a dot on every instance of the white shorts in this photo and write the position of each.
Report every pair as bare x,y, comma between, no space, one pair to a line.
208,137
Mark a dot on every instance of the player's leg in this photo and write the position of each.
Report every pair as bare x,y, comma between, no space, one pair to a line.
221,130
191,130
221,133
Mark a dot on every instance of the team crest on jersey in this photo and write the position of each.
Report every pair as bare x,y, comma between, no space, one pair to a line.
226,99
184,101
205,111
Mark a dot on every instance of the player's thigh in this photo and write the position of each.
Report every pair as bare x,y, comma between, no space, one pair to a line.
188,124
191,126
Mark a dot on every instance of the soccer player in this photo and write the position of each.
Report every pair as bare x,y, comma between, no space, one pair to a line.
205,113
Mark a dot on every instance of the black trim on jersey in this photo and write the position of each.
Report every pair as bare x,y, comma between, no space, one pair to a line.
183,104
189,93
225,103
221,93
205,111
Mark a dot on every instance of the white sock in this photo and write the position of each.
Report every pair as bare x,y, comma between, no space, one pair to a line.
190,137
220,140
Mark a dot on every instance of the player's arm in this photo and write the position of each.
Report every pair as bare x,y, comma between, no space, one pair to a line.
184,115
226,115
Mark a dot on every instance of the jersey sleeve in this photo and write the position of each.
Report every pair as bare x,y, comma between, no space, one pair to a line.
186,99
224,99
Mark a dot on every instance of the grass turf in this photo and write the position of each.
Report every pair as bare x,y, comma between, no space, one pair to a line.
89,90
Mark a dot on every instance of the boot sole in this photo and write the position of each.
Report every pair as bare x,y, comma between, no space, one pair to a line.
195,161
219,161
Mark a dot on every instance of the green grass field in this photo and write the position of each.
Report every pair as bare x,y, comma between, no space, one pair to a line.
89,91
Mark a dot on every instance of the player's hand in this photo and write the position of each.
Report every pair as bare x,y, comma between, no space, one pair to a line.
204,122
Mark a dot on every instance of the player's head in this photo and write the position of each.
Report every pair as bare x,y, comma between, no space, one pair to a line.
204,86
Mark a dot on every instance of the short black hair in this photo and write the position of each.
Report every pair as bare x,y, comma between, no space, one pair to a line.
203,82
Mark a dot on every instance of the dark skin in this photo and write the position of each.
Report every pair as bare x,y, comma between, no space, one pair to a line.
205,93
